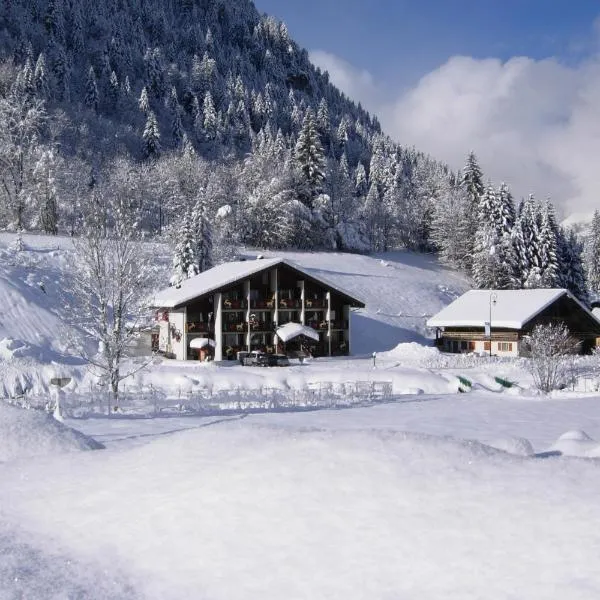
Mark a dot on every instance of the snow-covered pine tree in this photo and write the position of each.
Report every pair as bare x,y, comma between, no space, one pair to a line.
548,247
184,258
310,160
176,124
525,239
572,273
144,102
114,89
493,252
371,214
210,122
151,137
40,76
92,96
472,181
592,257
203,234
450,209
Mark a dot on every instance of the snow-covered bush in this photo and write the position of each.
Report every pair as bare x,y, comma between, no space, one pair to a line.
549,347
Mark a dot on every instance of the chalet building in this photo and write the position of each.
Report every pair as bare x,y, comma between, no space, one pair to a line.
496,321
238,306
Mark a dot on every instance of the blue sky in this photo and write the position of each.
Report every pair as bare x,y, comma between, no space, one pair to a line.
389,37
516,81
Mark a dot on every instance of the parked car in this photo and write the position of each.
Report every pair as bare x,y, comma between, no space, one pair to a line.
256,358
280,360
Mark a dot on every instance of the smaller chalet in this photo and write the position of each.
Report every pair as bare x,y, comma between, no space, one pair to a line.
496,321
272,305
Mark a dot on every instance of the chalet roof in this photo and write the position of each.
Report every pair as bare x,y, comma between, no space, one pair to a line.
224,275
289,331
512,309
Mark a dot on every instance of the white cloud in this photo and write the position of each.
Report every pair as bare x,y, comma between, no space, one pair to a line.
534,124
357,84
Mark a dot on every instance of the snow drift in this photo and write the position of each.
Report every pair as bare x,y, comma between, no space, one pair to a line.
27,433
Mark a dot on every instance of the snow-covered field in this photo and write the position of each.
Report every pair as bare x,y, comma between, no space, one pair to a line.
385,502
488,494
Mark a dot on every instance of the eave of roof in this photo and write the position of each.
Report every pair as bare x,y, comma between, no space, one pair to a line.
209,282
450,315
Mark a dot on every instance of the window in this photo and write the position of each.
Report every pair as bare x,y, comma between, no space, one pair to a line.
504,346
486,346
472,346
463,346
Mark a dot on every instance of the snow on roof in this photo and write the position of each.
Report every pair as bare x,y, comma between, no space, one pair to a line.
291,330
211,280
223,275
198,343
511,309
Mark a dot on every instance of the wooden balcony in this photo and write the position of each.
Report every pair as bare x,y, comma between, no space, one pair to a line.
479,336
198,327
242,327
324,325
266,304
313,303
234,304
289,303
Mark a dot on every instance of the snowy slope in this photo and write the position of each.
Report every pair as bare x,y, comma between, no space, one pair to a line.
36,332
239,509
401,291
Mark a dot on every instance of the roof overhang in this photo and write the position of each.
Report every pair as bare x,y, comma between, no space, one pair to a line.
204,284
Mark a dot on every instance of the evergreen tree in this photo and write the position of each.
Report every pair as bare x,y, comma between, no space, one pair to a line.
210,122
114,89
175,110
526,237
494,260
42,86
151,137
184,259
452,208
203,235
548,248
361,184
592,257
144,102
572,273
472,181
92,96
324,123
310,161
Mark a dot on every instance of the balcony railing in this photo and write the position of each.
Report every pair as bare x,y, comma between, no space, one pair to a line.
263,303
315,303
289,303
242,327
198,327
234,304
323,325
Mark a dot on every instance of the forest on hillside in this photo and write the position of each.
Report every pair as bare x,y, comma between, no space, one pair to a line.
208,124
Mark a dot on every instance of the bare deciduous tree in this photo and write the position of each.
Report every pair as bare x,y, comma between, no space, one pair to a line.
549,347
110,290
